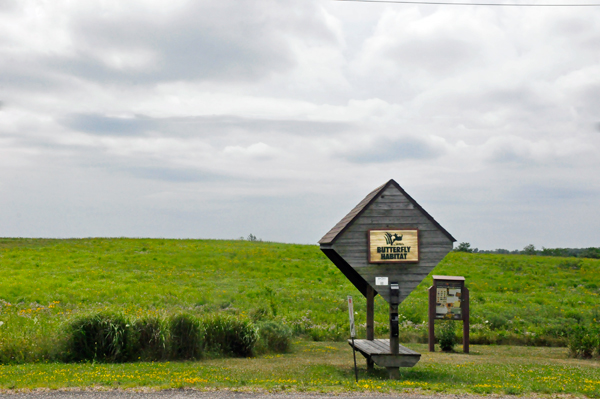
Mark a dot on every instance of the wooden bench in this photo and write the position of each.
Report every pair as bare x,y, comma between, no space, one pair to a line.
378,351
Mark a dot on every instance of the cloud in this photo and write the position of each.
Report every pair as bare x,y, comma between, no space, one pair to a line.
205,126
145,42
549,194
116,112
259,151
171,174
514,149
382,149
104,125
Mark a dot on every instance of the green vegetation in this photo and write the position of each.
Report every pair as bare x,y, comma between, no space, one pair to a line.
591,252
45,284
447,335
328,367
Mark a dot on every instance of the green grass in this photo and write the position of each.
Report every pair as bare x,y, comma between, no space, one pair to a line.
525,299
514,298
328,367
42,282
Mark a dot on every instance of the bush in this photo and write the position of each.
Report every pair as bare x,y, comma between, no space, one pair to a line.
273,337
229,336
101,337
583,342
259,314
149,339
464,247
529,250
447,338
186,337
571,264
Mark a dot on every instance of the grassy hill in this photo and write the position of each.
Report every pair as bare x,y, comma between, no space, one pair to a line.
514,298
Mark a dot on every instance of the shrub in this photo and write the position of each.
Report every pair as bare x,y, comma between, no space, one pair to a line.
273,337
529,250
447,336
185,338
570,264
583,341
101,337
463,247
229,336
259,314
149,338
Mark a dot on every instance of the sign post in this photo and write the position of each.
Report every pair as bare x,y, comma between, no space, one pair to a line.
352,332
386,246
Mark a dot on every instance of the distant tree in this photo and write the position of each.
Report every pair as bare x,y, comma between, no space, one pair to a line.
555,252
463,247
529,250
590,253
252,237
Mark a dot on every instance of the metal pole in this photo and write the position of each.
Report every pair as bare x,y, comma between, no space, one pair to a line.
355,368
352,332
370,323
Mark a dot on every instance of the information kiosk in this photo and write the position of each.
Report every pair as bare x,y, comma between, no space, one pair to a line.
386,246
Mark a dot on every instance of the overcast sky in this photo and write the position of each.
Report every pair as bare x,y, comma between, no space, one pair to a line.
217,119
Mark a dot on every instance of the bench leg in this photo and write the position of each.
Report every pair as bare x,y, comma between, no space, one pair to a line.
370,365
394,373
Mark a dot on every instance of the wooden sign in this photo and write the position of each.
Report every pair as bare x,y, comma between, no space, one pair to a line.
351,315
393,246
414,246
386,245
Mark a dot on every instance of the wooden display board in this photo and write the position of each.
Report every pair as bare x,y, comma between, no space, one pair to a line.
449,300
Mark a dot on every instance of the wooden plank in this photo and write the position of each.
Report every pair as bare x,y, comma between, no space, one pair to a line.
357,259
380,347
363,241
400,214
393,362
397,213
357,233
400,205
351,250
409,351
389,223
393,198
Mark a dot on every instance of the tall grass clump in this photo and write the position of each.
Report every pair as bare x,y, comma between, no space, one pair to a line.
584,341
150,338
447,336
229,336
101,337
186,337
274,337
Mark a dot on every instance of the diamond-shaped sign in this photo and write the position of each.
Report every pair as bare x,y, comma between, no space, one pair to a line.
387,238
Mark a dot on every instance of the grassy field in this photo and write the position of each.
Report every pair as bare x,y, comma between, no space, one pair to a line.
328,367
525,299
514,298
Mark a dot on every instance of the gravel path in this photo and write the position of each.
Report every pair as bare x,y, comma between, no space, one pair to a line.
222,394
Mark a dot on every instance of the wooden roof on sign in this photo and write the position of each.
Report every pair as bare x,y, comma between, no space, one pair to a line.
347,220
386,207
452,278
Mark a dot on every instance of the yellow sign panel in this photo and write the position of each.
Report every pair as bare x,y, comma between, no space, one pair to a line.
393,246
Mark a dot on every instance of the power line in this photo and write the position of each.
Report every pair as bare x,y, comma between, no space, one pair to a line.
472,4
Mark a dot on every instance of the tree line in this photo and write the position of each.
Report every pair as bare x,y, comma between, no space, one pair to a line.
591,252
